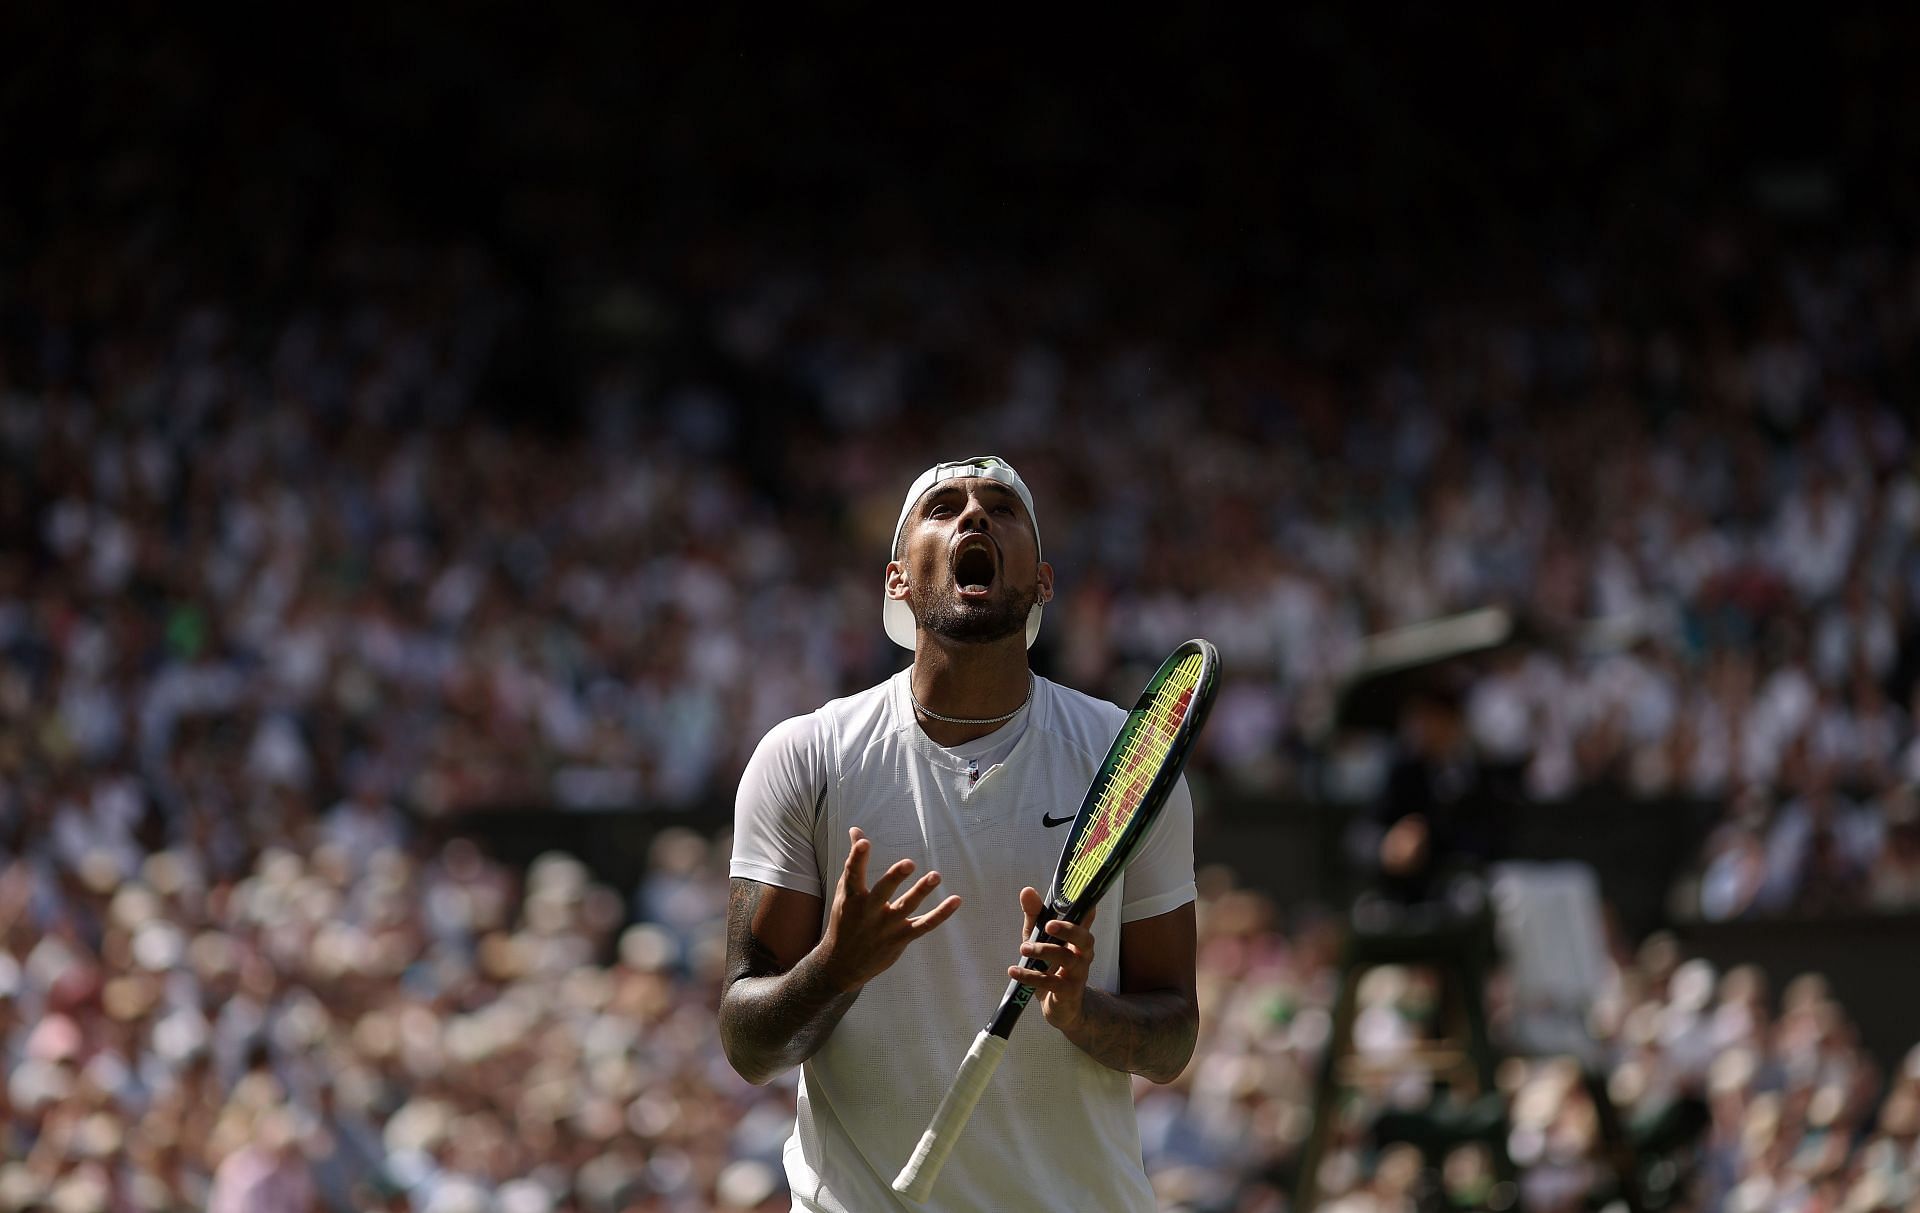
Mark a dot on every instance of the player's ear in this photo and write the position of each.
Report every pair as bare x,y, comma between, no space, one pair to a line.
896,581
1046,582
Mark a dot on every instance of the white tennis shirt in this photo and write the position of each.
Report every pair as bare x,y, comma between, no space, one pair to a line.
1055,1129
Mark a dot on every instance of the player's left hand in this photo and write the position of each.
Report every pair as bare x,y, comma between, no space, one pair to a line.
1069,957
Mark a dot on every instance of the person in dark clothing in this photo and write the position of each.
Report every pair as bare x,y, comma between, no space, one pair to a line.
1441,811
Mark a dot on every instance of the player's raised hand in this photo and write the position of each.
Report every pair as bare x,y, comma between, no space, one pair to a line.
868,927
1068,955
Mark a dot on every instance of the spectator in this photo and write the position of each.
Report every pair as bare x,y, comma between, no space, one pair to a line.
267,1175
1894,882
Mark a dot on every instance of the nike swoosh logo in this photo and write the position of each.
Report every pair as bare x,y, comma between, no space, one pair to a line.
1051,821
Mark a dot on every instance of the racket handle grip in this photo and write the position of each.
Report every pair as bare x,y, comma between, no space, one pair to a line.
915,1180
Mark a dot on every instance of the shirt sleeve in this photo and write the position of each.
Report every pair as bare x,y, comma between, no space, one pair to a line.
780,794
1160,878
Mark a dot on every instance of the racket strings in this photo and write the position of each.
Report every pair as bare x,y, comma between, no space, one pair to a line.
1131,773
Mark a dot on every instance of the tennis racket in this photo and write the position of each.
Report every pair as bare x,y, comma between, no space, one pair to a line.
1127,794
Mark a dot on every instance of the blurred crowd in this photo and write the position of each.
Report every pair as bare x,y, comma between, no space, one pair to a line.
254,561
1799,1116
304,496
362,1021
355,1024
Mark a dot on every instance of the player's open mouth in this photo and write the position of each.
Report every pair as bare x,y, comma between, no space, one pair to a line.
974,566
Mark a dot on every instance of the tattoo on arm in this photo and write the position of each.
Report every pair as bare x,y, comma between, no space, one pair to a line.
771,1018
746,955
1150,1034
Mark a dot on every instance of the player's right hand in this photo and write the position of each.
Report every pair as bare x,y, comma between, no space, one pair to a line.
868,928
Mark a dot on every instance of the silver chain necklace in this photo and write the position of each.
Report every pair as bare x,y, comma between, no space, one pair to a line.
927,711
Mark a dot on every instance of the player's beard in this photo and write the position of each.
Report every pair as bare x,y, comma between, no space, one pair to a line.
966,622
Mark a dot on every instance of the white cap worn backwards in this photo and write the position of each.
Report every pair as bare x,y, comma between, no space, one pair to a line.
898,615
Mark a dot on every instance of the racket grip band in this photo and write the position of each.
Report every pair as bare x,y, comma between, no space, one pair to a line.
915,1180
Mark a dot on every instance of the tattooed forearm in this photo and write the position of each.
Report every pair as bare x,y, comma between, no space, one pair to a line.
1150,1034
772,1019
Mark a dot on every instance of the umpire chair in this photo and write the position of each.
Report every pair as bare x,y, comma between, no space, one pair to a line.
1546,921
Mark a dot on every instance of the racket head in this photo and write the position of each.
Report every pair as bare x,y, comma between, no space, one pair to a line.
1136,777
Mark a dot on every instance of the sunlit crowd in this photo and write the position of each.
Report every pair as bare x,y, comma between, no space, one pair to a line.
397,1027
297,541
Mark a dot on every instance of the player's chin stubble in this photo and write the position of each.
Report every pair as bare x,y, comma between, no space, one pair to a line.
977,622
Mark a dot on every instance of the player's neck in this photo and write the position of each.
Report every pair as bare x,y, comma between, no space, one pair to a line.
975,682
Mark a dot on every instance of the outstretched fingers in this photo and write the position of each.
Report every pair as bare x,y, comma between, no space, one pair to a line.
867,928
855,874
911,899
934,917
893,877
879,897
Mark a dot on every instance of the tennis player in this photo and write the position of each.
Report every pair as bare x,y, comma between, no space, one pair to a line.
886,847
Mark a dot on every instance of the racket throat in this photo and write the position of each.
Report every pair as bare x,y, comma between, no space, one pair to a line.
1010,1007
